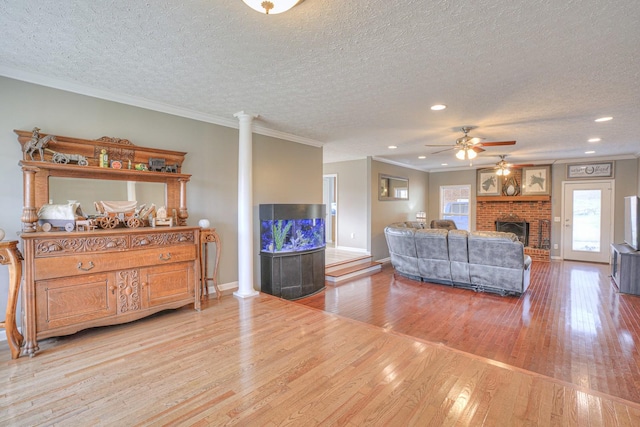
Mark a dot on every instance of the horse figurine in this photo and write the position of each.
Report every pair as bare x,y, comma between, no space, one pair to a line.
37,143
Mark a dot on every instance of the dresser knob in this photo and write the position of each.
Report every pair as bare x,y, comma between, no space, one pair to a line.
91,265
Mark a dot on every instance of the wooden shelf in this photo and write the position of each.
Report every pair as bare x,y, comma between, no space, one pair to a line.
545,198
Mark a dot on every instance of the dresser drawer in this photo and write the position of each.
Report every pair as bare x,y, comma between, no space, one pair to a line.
75,265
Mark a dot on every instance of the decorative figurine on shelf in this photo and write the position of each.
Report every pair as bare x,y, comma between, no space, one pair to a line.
161,218
62,158
36,143
141,167
156,165
104,159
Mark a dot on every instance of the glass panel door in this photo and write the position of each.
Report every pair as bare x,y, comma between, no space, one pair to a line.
587,213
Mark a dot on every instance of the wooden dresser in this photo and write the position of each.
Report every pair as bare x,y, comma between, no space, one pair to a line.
81,279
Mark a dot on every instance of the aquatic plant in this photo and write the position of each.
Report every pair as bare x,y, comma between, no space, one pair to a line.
279,233
299,241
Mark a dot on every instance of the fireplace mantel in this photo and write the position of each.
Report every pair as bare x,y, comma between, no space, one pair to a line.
546,198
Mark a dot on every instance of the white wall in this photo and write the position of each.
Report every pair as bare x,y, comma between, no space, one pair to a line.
283,170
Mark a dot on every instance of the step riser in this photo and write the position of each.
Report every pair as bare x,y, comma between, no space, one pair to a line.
336,267
359,273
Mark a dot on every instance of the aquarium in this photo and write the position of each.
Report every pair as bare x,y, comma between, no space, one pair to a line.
291,227
291,235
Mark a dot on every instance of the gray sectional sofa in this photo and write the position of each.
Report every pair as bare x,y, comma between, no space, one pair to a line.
485,261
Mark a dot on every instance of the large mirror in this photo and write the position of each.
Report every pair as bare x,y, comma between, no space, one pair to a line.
88,191
392,188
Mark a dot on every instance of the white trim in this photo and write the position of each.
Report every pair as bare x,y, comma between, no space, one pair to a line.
347,248
135,101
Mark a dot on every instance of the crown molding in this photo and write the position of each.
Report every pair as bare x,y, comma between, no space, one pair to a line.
148,104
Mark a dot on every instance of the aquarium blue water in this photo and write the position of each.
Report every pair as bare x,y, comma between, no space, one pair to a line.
291,235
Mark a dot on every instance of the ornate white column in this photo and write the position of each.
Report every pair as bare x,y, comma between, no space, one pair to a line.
245,206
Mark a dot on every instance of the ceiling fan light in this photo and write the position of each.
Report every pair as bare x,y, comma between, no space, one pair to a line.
499,172
271,7
472,154
461,154
506,172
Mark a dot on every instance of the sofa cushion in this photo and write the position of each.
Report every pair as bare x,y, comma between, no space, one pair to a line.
458,249
459,256
402,249
433,255
497,249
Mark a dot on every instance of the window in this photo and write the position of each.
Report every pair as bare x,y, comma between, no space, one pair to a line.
454,204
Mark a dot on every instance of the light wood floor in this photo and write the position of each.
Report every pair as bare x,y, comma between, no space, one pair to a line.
265,361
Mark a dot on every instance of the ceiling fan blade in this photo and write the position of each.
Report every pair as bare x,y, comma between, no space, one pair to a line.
440,151
520,166
493,144
438,145
477,149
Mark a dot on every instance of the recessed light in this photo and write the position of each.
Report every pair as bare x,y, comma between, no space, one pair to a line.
594,140
393,147
438,107
444,164
422,157
604,119
589,152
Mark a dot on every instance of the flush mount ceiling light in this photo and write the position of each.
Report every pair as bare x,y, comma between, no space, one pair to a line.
603,119
422,157
392,147
438,107
594,140
271,7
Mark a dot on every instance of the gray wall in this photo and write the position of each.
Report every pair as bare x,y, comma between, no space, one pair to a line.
461,177
283,170
353,203
626,182
386,212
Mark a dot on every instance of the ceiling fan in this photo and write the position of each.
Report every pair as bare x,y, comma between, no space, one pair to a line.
468,147
503,168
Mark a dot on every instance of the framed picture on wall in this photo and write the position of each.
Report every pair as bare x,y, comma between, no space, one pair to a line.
488,183
536,180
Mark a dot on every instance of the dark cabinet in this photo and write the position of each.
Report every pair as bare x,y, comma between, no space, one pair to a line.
292,275
625,269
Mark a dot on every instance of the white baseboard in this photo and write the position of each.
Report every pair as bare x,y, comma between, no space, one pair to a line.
347,248
231,286
384,260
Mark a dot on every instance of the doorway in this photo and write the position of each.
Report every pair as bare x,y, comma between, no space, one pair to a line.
587,215
330,200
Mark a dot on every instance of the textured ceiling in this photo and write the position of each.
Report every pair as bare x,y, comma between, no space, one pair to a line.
356,76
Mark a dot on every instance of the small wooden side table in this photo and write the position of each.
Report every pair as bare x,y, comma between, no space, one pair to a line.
209,235
11,256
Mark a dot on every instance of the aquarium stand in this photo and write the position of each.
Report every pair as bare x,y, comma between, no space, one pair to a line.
292,243
292,275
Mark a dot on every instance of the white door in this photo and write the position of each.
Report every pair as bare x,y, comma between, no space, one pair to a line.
588,221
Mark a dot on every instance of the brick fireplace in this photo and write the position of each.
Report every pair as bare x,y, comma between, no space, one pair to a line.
535,211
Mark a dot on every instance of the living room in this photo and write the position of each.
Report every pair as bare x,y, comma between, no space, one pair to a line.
285,169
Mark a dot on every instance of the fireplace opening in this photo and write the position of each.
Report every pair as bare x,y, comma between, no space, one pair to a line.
516,225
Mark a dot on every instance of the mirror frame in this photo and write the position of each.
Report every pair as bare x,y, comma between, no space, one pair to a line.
36,173
386,185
